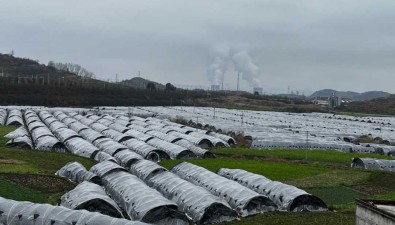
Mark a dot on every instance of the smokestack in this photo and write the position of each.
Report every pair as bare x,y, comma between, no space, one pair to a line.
244,64
238,80
216,70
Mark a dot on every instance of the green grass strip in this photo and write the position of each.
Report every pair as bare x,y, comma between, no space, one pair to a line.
311,155
16,192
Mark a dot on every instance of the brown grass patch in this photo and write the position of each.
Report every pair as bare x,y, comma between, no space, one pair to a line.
11,161
44,184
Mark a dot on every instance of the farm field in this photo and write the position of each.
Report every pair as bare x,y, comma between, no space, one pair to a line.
28,175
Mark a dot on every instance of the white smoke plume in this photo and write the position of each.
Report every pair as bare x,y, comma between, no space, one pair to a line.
248,69
222,55
217,69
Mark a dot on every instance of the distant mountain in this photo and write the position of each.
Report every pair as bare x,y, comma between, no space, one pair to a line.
355,96
139,82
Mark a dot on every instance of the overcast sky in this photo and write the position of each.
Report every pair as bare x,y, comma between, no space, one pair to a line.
306,44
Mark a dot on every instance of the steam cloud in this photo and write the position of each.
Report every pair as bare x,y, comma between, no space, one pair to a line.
249,70
242,61
217,69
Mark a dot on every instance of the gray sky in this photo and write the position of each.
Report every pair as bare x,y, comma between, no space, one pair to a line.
307,44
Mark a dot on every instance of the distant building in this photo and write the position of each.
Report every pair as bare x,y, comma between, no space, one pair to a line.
372,212
215,87
258,90
335,101
324,101
331,102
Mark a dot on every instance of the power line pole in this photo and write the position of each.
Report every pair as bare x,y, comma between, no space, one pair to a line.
307,145
238,80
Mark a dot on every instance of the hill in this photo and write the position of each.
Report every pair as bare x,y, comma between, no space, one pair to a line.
24,68
354,96
138,82
379,106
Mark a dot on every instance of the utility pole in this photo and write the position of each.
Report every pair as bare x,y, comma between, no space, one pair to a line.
242,118
214,113
238,80
307,145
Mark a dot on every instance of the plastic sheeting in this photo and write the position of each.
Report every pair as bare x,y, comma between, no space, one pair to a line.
64,134
139,135
81,147
42,136
90,135
27,213
286,197
145,169
99,127
217,142
106,167
14,118
199,152
19,132
19,138
128,142
198,203
199,141
226,138
174,151
245,201
373,164
55,125
166,137
3,116
102,156
91,197
109,146
140,201
127,157
146,150
76,172
116,135
20,142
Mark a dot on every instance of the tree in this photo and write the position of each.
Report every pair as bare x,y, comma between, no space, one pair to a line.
71,68
170,87
151,86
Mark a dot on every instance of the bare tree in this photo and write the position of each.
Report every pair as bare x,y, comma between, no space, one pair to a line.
71,68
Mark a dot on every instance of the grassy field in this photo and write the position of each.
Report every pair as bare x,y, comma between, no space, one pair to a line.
282,218
29,175
272,170
324,173
328,157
